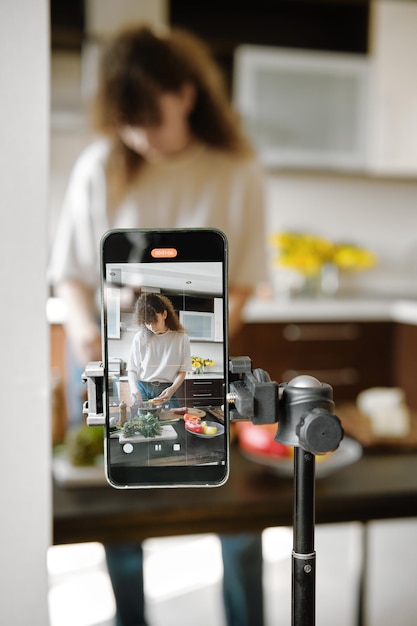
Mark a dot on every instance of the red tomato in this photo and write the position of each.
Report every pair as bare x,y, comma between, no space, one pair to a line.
190,417
193,427
261,439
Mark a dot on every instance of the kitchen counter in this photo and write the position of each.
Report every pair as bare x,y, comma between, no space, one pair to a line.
404,311
330,309
207,374
378,486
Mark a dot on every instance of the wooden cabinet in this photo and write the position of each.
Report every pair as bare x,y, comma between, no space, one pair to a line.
349,356
58,374
405,361
203,392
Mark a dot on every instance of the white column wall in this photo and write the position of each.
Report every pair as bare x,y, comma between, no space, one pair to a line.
25,517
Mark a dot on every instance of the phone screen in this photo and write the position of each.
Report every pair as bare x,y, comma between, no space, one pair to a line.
164,319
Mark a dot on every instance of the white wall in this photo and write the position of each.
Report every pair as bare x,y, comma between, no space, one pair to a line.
25,522
380,214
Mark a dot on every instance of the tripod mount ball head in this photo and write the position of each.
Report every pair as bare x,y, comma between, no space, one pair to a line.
306,416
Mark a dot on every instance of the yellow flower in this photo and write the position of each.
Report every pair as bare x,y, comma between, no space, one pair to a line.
303,252
348,257
307,253
198,361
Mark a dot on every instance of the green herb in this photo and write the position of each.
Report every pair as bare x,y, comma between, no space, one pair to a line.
146,425
85,445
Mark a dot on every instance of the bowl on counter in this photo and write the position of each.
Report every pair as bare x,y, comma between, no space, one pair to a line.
148,407
257,444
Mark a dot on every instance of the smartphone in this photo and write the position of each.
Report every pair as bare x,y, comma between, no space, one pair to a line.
165,351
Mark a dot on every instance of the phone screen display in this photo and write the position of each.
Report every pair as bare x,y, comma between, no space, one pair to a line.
164,318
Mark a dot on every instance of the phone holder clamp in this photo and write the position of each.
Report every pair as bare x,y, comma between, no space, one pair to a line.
93,407
253,394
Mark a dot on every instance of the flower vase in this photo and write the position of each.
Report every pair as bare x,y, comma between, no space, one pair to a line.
323,283
199,370
311,286
329,279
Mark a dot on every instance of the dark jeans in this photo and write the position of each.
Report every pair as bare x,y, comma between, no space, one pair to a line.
242,580
148,391
125,565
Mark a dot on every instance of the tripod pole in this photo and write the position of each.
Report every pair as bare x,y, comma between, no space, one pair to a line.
303,554
306,423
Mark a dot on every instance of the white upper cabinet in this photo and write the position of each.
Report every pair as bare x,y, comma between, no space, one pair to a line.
331,110
304,108
393,105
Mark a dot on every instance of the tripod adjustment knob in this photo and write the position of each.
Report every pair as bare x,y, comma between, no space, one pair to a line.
319,431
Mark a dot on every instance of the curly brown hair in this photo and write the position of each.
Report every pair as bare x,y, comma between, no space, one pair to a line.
149,304
136,68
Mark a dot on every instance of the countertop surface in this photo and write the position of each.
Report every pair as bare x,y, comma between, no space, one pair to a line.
305,310
331,309
208,374
378,486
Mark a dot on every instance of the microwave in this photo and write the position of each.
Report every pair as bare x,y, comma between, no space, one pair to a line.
303,108
198,325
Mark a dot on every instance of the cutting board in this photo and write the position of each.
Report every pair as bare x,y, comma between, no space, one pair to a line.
359,427
168,432
171,415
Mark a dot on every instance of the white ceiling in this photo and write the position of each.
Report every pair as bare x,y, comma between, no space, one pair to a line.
176,277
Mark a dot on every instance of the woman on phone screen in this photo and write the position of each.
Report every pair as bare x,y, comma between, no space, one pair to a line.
160,354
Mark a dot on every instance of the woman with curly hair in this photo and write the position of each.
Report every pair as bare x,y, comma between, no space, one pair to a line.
170,154
160,353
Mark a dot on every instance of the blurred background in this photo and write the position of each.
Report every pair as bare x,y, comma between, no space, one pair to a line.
327,92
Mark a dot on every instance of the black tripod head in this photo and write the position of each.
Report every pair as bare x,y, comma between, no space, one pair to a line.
302,407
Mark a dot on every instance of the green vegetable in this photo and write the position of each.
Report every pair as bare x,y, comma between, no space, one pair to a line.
146,425
85,445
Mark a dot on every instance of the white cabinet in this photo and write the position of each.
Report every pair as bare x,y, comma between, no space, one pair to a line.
393,106
218,319
303,108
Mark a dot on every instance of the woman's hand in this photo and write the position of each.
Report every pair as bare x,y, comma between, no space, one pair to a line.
166,394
